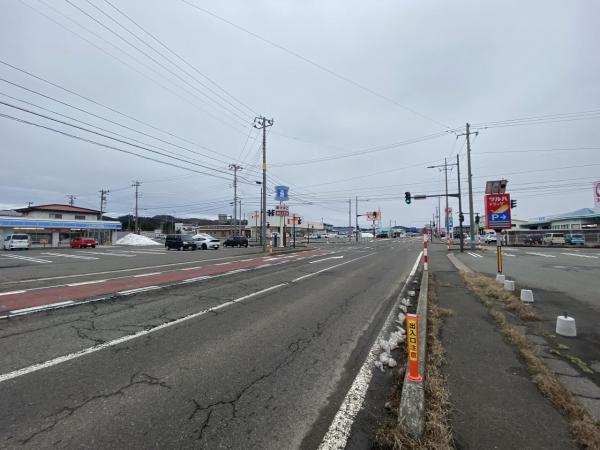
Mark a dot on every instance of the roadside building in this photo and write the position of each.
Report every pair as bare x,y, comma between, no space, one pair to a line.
54,225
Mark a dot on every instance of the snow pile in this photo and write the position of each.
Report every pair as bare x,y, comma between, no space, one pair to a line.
136,239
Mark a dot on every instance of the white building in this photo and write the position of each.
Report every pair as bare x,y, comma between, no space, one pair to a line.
55,225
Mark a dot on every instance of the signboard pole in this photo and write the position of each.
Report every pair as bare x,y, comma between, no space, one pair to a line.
499,250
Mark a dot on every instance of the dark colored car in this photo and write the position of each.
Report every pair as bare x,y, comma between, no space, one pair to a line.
533,239
236,241
180,242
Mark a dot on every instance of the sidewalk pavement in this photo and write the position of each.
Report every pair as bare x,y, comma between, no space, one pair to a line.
494,403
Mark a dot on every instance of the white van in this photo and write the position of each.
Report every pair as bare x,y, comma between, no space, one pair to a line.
16,242
554,239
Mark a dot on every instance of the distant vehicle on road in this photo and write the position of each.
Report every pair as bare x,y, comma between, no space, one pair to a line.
236,241
16,242
575,239
554,239
82,242
180,242
533,239
205,242
489,238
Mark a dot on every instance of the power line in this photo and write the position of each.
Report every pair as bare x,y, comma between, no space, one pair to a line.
182,59
186,99
99,22
317,65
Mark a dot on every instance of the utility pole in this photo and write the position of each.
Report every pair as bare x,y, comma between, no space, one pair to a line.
356,218
240,221
136,184
445,168
235,169
262,123
103,193
71,198
468,134
350,218
460,210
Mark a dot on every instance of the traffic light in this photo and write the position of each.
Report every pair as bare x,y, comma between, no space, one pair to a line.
299,221
407,199
477,219
374,215
461,217
270,212
513,203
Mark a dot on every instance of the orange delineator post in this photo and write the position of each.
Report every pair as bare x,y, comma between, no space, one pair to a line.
412,332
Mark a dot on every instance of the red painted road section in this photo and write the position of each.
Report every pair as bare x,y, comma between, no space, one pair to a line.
40,297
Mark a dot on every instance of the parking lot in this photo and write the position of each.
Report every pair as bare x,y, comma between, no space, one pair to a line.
17,266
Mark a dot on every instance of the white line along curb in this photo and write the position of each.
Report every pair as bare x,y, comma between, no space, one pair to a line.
339,430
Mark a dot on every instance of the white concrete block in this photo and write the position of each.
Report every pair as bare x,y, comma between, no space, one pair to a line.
526,295
565,326
509,285
500,278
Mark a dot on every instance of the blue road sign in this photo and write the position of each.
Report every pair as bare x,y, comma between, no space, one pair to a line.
281,193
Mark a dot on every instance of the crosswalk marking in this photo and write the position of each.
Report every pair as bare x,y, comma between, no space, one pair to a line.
475,255
27,258
64,255
107,253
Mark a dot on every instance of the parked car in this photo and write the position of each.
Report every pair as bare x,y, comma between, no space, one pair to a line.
82,242
180,242
554,239
236,241
205,242
575,239
16,242
489,238
533,239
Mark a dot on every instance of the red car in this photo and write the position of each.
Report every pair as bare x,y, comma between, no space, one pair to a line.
83,242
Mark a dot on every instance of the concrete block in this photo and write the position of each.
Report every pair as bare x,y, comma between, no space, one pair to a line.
580,386
592,405
526,295
500,278
565,326
561,367
509,285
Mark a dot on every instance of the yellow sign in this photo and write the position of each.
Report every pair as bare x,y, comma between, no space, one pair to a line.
413,337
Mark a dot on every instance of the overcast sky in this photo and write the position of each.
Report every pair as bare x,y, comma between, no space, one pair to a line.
337,77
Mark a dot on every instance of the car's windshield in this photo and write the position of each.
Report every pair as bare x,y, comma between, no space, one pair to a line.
20,237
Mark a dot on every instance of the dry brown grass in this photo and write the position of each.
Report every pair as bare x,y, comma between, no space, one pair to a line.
437,433
582,426
488,289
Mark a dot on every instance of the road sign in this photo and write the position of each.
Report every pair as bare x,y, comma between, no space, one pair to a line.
597,193
373,215
497,211
281,193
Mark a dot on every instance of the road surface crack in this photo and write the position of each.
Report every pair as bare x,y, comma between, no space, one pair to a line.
138,378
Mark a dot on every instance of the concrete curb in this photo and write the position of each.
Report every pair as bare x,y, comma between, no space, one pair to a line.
458,264
411,414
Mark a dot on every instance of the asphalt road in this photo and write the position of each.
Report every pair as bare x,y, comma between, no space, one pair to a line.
573,271
255,359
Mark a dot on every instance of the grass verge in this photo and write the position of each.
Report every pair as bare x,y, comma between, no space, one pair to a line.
487,288
437,433
582,426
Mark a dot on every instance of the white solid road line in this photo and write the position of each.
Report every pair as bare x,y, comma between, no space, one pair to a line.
326,259
12,292
29,258
580,255
146,274
17,312
508,254
339,430
138,290
83,283
475,255
541,254
303,277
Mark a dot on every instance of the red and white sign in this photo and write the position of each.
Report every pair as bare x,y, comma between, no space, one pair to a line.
282,210
497,211
597,193
293,220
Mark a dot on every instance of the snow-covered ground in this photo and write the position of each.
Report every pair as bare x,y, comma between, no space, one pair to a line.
136,239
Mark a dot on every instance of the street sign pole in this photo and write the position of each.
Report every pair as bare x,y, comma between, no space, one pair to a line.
499,251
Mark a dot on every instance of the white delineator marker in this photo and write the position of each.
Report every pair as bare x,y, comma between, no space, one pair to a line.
425,253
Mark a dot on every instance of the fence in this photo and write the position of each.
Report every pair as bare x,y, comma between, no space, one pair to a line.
534,237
